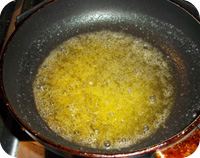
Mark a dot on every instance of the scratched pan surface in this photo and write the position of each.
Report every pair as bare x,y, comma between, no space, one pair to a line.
161,23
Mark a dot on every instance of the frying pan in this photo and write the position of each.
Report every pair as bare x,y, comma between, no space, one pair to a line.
161,23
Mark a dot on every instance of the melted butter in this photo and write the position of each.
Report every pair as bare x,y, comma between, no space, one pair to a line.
104,90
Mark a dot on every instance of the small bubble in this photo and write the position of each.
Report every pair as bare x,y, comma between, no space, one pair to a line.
111,114
168,93
108,81
94,121
96,131
64,92
107,102
76,133
73,115
40,87
169,77
144,46
153,97
90,83
64,53
194,115
124,140
91,135
90,141
107,144
83,54
146,128
129,91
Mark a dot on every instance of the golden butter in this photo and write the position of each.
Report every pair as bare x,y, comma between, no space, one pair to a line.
104,90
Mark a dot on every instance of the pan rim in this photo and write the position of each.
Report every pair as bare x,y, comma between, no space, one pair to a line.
170,141
146,150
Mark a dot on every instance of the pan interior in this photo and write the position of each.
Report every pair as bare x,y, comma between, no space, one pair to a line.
28,50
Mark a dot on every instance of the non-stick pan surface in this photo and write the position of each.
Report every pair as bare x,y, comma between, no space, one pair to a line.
161,23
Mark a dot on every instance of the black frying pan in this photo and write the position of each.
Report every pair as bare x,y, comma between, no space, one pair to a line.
161,23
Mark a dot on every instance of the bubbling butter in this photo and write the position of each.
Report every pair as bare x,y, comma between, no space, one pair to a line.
105,90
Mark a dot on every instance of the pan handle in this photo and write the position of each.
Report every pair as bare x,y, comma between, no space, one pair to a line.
18,17
21,17
16,8
189,7
183,148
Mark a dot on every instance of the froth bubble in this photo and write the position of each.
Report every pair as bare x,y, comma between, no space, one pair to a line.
146,128
107,143
153,97
194,115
